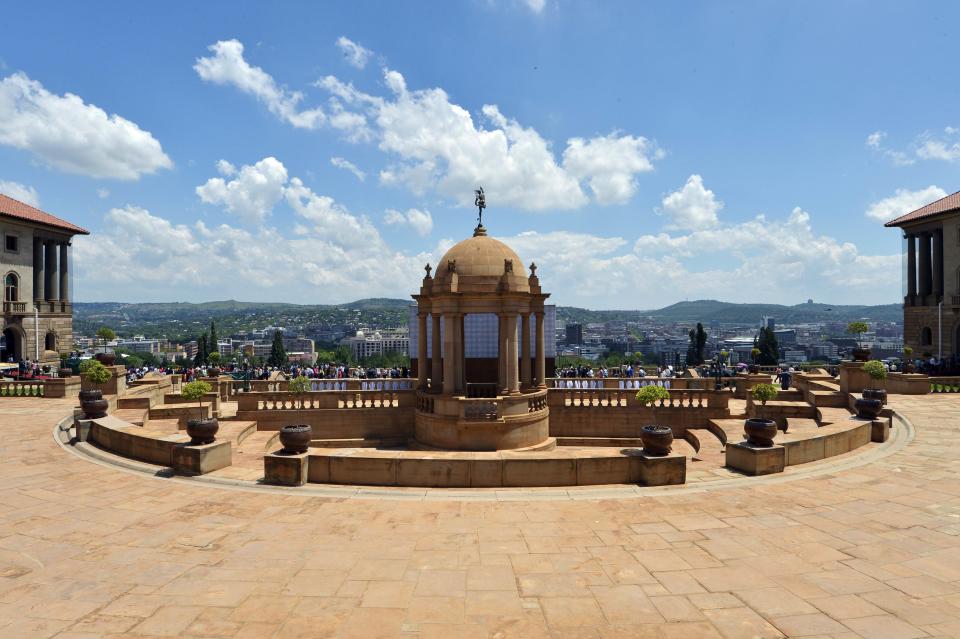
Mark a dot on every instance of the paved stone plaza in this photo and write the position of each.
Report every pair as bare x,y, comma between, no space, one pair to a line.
88,550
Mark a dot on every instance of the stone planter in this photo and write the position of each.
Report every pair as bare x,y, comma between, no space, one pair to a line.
214,372
860,354
296,438
875,393
107,359
202,431
760,432
93,404
868,408
754,369
657,440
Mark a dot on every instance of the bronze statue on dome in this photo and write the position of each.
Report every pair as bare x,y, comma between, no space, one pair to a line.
480,201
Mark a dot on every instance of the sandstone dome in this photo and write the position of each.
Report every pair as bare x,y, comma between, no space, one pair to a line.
482,263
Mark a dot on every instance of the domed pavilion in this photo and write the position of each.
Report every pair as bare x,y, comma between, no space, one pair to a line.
481,275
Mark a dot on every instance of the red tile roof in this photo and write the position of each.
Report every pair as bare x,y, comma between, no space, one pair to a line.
943,205
17,209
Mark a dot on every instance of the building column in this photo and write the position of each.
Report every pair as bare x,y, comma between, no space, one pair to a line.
422,351
436,370
64,274
449,354
541,371
525,372
925,278
513,377
462,353
502,355
37,269
938,264
50,271
457,321
911,266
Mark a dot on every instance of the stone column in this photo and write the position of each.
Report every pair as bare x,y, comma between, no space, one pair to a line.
525,372
436,371
50,271
502,355
911,266
462,353
64,274
926,275
422,351
938,264
449,354
457,321
541,371
513,377
38,269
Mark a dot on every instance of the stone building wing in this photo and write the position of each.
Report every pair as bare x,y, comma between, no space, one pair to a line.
943,205
16,209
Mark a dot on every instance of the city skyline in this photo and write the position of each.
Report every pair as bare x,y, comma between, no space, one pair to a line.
327,158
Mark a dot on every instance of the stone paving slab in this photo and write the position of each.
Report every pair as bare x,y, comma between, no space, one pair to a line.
868,551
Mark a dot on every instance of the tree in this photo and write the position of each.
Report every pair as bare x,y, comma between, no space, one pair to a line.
278,355
201,357
106,334
213,346
766,342
696,351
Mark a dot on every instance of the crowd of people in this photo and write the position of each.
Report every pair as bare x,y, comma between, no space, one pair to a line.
584,371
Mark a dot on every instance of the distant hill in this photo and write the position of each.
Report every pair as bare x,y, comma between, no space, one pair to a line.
729,313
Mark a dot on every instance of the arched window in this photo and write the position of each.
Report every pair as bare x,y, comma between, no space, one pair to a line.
50,341
926,336
11,288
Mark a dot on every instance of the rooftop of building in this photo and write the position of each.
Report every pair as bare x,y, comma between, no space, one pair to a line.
946,204
18,210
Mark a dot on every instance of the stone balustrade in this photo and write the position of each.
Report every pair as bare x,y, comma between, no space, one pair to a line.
624,383
286,401
615,398
33,388
234,387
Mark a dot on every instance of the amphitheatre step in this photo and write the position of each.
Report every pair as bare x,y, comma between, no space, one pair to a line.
802,426
259,442
235,431
791,395
360,442
829,415
165,425
624,442
726,430
135,416
828,398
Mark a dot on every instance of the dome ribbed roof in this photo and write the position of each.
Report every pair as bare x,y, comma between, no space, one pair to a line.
481,262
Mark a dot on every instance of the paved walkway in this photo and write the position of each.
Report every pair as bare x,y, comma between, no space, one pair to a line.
88,551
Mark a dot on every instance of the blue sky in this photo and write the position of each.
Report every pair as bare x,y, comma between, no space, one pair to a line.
641,155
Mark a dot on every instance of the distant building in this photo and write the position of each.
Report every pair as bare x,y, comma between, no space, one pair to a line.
364,344
35,256
785,337
768,322
140,345
574,334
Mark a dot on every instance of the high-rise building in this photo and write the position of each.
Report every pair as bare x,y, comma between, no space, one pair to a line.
574,333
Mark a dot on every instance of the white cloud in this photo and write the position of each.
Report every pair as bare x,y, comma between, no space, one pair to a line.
902,202
347,165
693,206
536,6
925,146
73,136
227,66
103,193
420,221
438,146
252,194
354,54
781,260
22,192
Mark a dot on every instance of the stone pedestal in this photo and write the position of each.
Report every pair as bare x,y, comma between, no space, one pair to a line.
880,430
745,382
286,470
200,460
853,379
755,460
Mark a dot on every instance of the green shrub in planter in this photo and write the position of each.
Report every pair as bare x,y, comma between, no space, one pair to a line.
194,392
876,370
763,393
858,329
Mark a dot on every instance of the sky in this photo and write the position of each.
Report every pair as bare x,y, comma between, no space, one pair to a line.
640,153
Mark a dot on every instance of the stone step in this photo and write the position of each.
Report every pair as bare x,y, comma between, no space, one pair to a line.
802,426
830,415
359,442
135,416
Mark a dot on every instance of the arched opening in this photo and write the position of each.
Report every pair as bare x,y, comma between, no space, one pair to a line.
50,341
11,346
926,336
11,288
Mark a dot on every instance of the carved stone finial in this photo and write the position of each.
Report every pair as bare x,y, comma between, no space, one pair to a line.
451,266
508,266
428,268
533,269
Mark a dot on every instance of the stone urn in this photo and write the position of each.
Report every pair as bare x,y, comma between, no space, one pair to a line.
754,369
868,408
296,438
875,393
213,372
93,404
657,440
760,432
202,431
107,359
860,354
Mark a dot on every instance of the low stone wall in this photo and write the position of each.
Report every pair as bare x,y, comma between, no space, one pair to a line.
472,470
853,379
615,413
359,423
174,451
